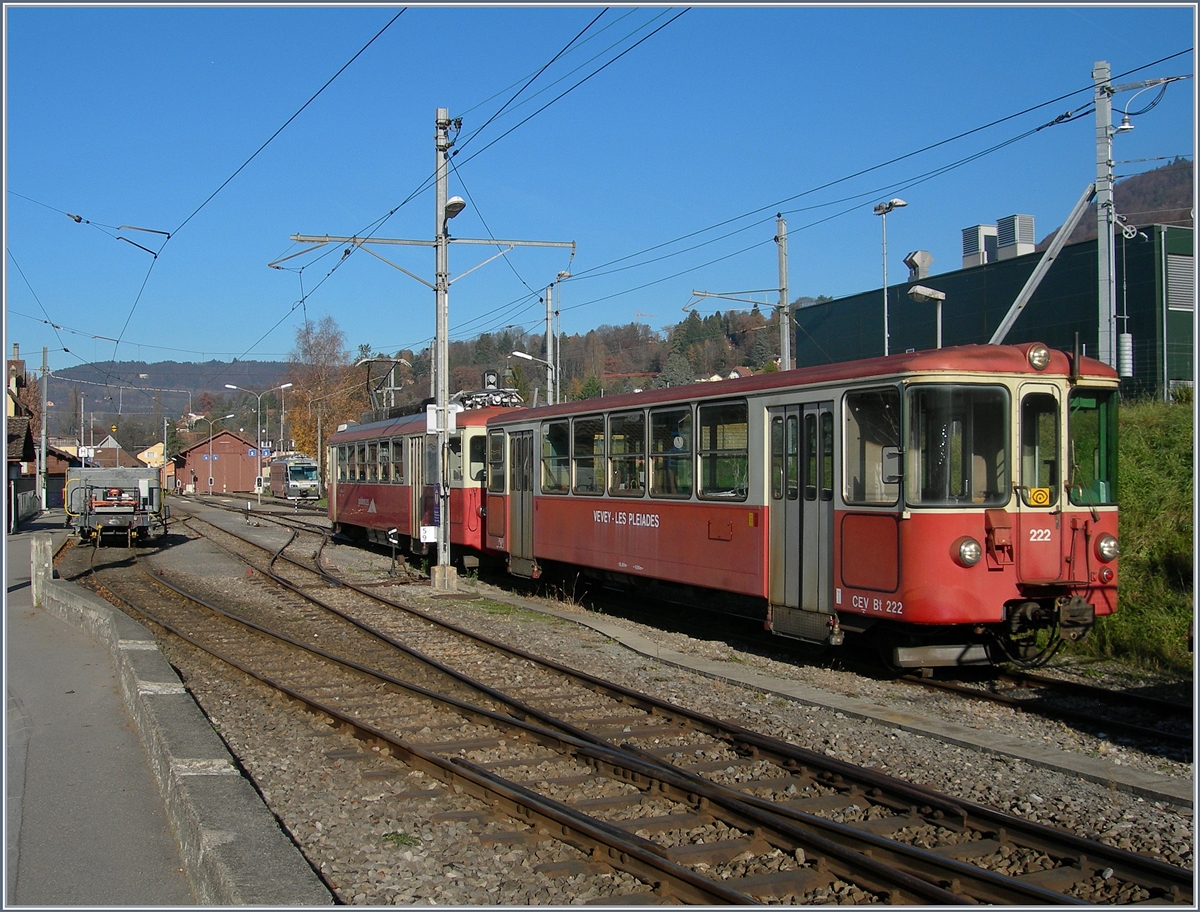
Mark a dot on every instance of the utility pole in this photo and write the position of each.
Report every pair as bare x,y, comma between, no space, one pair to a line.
1107,327
551,380
785,311
42,476
1105,211
785,320
443,576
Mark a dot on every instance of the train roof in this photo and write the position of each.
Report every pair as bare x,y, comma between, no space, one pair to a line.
412,424
982,359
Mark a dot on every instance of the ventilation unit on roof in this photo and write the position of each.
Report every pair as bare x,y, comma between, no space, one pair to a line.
1014,236
979,245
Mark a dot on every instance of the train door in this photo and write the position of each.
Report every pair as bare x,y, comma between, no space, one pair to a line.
785,505
416,492
520,500
803,577
1039,488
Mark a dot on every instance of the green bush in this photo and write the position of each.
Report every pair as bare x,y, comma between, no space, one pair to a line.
1155,599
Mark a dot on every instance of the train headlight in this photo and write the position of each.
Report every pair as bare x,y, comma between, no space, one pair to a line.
1107,548
966,552
1039,356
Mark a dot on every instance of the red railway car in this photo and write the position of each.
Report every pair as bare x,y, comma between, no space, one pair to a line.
957,506
383,476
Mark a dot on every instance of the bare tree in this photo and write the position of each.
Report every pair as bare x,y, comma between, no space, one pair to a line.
324,393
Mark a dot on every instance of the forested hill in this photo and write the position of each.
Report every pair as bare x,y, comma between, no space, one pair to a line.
1159,197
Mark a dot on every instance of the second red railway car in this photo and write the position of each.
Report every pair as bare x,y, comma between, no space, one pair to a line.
957,506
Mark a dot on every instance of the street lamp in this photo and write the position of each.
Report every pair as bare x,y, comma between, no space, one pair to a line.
258,423
922,294
550,375
882,209
210,437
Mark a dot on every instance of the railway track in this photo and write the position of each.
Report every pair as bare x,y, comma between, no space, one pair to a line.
671,778
1098,708
1161,725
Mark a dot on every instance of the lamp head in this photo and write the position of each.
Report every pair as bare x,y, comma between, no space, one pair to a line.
454,206
885,208
922,294
1125,127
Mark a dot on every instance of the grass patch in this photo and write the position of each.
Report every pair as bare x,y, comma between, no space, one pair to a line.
401,839
503,609
1155,595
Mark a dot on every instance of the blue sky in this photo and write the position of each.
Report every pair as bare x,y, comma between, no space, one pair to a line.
134,116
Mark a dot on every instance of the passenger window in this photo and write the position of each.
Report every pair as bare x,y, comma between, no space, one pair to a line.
724,451
872,419
627,447
556,457
372,462
385,461
588,454
398,473
671,453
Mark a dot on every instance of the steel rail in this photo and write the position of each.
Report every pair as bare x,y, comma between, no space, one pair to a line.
1165,877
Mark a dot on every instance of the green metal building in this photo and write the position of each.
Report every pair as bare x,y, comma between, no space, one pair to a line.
1155,305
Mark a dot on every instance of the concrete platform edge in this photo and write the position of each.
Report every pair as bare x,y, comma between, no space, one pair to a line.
233,848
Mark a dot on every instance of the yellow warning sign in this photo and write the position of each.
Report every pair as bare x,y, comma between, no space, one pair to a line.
1039,497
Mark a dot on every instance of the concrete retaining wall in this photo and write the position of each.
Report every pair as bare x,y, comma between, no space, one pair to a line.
233,849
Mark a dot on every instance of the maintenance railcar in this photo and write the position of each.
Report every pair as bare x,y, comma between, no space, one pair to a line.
957,506
124,502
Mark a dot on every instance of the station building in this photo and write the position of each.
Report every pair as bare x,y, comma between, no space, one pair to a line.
1155,305
230,459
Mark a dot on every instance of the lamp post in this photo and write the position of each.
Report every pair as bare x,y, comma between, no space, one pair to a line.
210,421
922,294
258,423
882,209
550,376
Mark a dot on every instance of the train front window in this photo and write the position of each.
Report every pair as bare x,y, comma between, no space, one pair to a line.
723,444
870,445
495,447
1092,447
477,458
958,446
454,444
1039,449
302,472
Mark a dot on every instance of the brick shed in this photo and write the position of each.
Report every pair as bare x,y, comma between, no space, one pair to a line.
234,465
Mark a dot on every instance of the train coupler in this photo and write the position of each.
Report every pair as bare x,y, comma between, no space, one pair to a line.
1076,617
